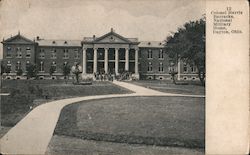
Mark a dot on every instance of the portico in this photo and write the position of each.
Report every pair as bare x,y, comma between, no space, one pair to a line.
110,54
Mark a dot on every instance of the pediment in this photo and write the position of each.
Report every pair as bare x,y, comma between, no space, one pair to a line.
112,37
19,39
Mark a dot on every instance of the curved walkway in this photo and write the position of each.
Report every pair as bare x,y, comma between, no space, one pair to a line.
33,133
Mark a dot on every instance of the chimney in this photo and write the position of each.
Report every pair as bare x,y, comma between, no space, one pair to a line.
94,37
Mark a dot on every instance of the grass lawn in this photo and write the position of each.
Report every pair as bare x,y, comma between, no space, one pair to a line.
27,94
65,145
159,121
193,87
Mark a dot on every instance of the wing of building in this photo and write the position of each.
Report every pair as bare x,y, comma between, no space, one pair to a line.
110,53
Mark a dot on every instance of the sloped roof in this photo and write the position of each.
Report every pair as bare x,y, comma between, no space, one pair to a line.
153,44
97,39
64,43
18,39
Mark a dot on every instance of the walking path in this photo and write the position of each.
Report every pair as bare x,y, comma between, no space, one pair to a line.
4,94
33,133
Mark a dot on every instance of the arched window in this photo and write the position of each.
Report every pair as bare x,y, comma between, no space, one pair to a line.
27,65
18,65
160,67
185,69
9,65
150,54
54,65
160,54
41,66
150,67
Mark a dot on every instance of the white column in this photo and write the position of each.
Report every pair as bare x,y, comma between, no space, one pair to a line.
136,61
106,60
179,69
95,61
127,59
116,61
84,61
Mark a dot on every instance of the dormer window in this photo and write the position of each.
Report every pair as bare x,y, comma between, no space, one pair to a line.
149,43
53,42
65,42
160,43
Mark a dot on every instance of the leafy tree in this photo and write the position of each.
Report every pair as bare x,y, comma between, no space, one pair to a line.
19,72
66,71
188,45
32,71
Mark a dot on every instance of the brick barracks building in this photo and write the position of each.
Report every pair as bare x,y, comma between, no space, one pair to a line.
110,53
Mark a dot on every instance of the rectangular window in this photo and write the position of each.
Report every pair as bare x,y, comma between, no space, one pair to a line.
150,54
160,67
8,55
65,54
150,67
53,54
193,69
77,54
18,52
41,54
28,52
160,54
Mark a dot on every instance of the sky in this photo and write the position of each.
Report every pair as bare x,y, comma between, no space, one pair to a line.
74,19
